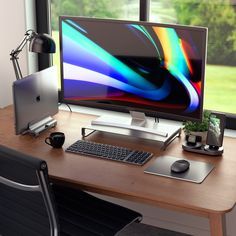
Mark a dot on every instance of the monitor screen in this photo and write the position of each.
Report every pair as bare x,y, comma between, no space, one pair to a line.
126,65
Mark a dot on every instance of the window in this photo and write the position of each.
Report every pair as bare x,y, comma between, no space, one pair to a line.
218,15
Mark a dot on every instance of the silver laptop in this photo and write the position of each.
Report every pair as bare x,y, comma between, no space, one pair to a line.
36,101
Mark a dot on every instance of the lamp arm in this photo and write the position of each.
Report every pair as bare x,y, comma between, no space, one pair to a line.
14,53
16,67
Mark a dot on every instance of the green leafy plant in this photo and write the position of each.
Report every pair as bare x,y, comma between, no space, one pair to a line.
193,126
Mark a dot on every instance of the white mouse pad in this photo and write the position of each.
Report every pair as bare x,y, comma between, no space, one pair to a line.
196,173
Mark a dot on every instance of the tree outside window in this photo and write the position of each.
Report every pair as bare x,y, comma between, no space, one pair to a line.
219,16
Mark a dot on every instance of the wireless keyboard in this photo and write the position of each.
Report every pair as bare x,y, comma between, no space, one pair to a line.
109,152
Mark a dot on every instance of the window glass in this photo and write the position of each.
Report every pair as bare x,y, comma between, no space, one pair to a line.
122,9
220,18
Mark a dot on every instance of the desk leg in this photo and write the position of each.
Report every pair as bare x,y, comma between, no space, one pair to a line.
217,224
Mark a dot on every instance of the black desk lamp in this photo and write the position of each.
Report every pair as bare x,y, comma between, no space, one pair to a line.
40,43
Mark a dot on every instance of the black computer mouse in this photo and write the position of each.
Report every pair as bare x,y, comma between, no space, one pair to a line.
180,166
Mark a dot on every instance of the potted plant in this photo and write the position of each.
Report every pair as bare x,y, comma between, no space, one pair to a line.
198,128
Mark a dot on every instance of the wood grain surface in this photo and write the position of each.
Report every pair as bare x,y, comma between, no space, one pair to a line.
216,195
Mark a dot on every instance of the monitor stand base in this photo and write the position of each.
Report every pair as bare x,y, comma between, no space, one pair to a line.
137,126
38,127
137,121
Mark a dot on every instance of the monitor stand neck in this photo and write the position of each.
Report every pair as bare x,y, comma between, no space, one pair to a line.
138,118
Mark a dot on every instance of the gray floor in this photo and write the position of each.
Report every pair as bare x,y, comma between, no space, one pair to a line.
147,230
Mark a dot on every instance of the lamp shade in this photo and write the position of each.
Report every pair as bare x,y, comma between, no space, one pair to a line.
42,43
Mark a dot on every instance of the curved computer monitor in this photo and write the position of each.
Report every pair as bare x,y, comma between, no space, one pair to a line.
119,65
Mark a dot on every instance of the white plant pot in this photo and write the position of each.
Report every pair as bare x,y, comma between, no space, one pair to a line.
198,133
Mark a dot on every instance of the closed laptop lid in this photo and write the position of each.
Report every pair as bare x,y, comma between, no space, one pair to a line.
35,98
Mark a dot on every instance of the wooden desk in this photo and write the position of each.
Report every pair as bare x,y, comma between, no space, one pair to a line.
212,199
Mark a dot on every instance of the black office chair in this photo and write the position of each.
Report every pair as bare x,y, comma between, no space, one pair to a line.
31,206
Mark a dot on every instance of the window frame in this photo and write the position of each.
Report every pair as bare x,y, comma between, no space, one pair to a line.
43,12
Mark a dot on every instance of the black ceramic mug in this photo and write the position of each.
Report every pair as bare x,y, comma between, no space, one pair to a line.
56,139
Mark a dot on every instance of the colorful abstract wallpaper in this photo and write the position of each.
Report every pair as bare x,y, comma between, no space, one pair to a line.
146,66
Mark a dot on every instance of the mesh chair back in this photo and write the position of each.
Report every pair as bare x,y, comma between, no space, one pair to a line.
26,206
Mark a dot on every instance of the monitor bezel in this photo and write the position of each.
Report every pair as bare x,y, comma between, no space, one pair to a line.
124,108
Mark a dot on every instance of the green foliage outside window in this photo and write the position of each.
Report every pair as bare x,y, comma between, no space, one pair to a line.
91,8
220,18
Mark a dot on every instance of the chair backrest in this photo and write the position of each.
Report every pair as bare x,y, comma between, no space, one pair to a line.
26,202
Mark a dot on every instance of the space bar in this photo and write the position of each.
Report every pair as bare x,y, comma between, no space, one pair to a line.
131,127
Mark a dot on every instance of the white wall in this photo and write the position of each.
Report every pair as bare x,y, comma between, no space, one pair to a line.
13,27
